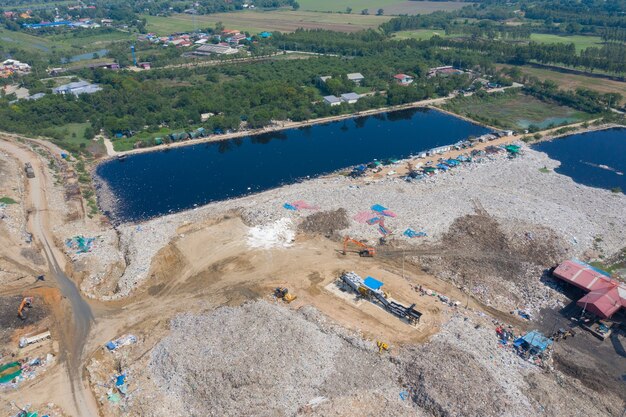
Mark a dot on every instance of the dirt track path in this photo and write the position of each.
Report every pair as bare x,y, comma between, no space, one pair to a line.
75,330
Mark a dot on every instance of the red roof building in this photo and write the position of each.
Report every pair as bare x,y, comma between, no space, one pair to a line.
605,295
403,79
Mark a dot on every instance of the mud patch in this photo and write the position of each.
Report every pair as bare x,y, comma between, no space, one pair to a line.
10,322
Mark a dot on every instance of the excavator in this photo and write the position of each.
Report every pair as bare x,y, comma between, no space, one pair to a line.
27,302
367,251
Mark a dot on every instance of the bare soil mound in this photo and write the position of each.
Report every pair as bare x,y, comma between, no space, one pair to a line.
327,223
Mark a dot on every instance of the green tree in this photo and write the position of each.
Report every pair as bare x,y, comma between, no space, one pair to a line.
348,9
380,12
365,11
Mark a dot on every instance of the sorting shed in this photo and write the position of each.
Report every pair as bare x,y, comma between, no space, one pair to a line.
605,295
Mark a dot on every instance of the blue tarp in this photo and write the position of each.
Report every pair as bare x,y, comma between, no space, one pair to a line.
534,339
372,283
110,345
412,233
289,207
119,380
378,208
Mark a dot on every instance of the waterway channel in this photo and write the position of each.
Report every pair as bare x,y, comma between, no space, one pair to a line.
151,184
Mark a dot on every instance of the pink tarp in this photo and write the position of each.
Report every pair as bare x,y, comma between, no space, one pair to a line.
303,205
363,217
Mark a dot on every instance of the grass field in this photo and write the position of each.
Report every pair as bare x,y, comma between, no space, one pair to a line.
573,81
24,41
259,21
516,111
581,42
391,7
91,43
73,133
419,34
61,43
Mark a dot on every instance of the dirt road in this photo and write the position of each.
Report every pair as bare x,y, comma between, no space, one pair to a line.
76,329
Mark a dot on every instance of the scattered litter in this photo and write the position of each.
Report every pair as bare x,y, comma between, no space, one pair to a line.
404,395
125,340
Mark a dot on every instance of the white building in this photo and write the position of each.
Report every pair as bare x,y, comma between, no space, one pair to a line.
356,77
350,98
220,49
77,88
332,100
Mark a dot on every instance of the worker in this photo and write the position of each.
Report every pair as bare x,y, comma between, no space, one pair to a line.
41,278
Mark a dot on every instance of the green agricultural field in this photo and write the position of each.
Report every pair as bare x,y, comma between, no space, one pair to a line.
259,21
24,41
515,111
568,81
419,34
390,7
581,42
91,43
61,43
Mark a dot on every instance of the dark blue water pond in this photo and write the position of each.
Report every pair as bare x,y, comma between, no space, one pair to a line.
597,159
156,183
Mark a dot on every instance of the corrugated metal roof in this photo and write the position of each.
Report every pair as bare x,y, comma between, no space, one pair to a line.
605,295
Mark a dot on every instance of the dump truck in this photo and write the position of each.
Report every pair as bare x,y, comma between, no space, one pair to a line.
25,341
30,172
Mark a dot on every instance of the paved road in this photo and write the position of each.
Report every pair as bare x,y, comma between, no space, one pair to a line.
75,331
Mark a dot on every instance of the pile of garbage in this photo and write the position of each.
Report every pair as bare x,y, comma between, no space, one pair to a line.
266,359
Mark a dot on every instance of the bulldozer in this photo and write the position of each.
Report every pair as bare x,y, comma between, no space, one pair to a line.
366,251
382,346
27,302
284,294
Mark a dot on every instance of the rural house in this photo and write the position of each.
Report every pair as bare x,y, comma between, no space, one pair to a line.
403,79
356,77
332,100
350,98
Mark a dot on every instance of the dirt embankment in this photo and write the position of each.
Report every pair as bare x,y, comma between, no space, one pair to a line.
498,261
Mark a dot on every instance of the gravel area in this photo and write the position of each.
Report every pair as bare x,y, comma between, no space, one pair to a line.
507,189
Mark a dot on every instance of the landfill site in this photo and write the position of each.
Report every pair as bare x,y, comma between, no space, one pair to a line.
493,288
